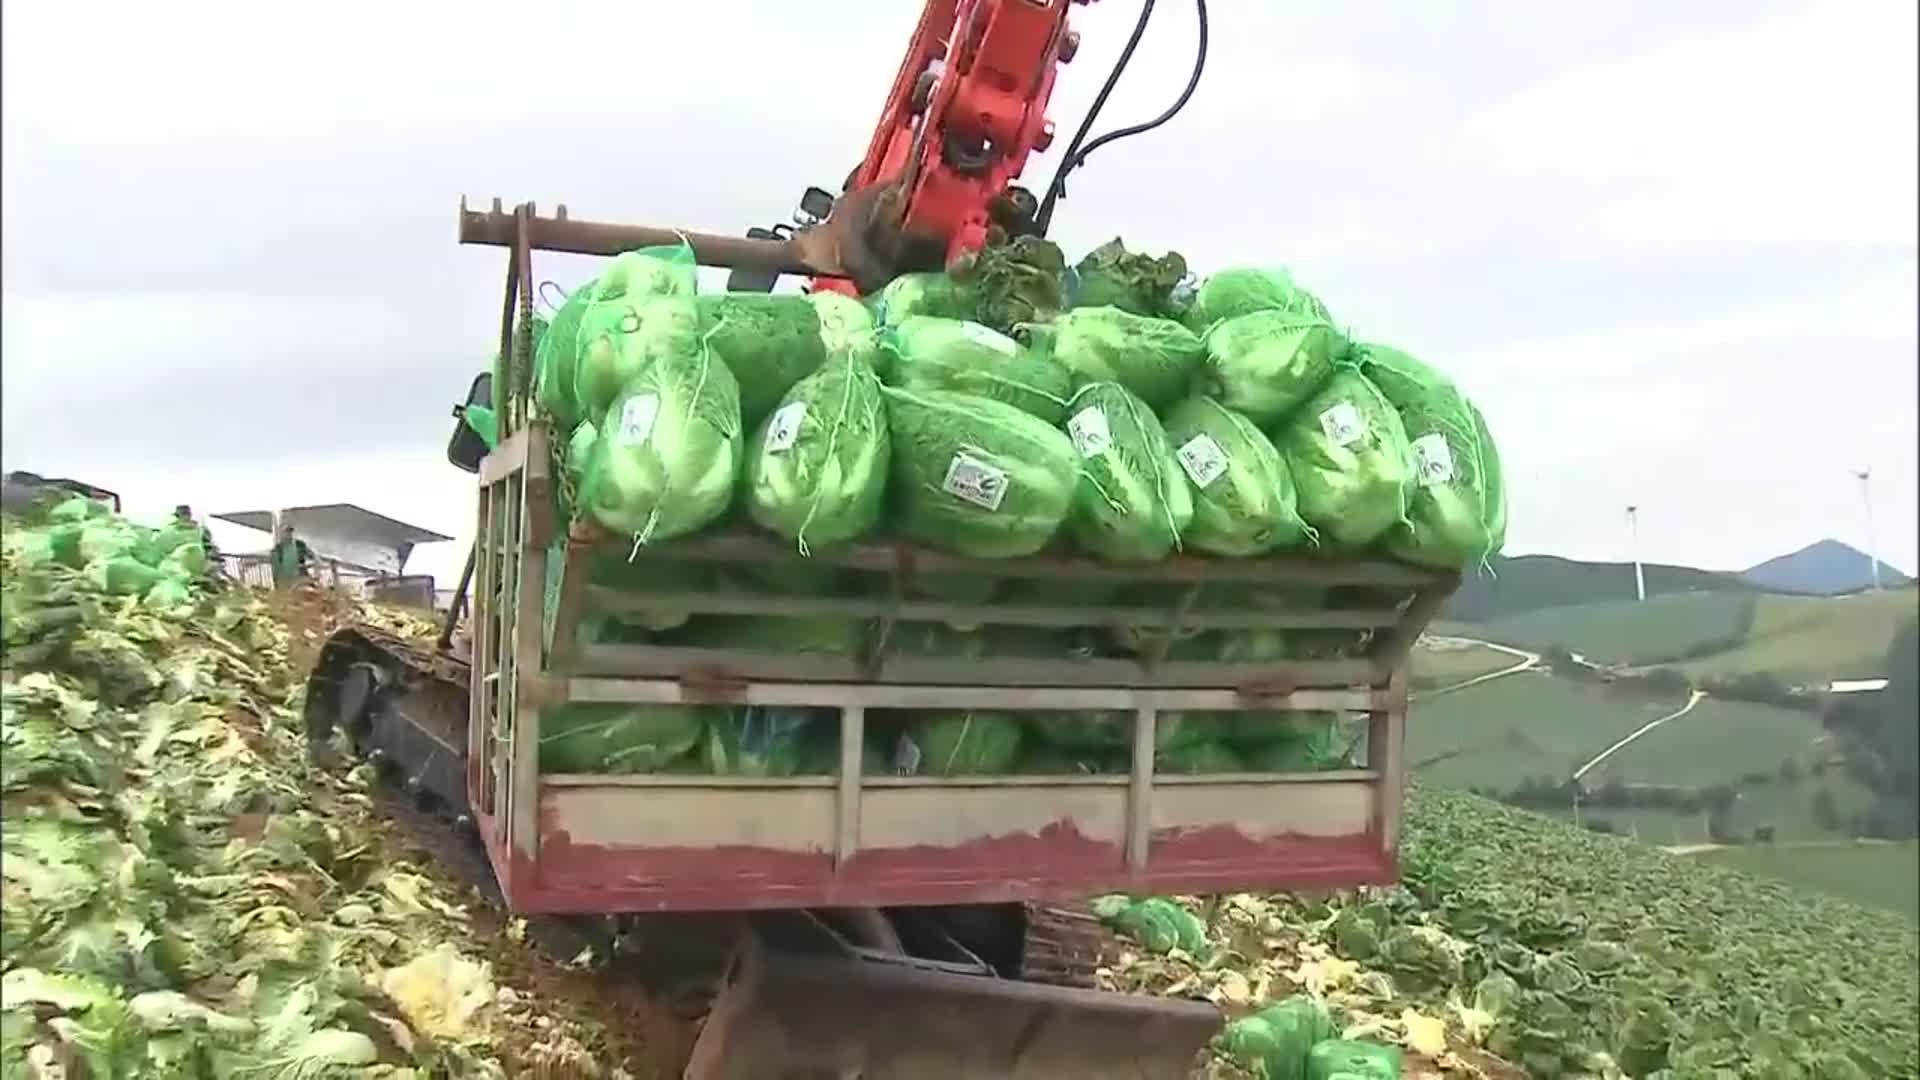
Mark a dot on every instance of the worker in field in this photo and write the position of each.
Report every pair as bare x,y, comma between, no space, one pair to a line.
183,521
291,559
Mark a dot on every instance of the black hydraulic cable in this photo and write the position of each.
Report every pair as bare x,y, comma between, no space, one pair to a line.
1076,155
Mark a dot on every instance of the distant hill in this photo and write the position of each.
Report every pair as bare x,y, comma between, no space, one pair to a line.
1823,568
1525,583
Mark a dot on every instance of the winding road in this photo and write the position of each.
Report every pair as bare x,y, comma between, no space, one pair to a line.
1692,699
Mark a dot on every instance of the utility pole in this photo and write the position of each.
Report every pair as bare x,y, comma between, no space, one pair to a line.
1866,499
1639,572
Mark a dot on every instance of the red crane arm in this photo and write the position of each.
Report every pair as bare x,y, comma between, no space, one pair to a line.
967,108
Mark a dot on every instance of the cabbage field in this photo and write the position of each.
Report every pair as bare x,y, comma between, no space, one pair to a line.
185,896
1014,406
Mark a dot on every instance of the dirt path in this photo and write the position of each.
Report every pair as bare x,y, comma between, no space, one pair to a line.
1692,699
1526,662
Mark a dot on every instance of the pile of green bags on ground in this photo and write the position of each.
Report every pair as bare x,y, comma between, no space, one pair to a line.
163,567
1145,417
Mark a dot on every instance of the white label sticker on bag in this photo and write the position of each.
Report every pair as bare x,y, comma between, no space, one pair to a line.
1343,425
784,427
1203,460
991,338
975,481
1432,461
1089,431
636,418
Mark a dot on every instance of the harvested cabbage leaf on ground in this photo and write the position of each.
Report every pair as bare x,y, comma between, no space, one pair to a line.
964,357
1243,491
1132,502
977,477
1156,359
1350,461
816,470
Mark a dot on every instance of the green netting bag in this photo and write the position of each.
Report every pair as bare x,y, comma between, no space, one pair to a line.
1351,465
108,539
932,294
826,635
186,561
1156,359
1131,503
598,307
618,566
1351,1059
1157,924
1108,731
665,460
1446,524
1278,1041
1230,294
1496,487
1196,758
817,468
1263,365
597,737
846,328
634,338
970,743
977,477
122,575
153,547
773,741
770,342
968,358
63,544
1243,492
1041,758
1297,742
168,594
75,510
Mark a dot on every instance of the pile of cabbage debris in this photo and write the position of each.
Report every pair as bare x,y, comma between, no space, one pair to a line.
1011,407
182,895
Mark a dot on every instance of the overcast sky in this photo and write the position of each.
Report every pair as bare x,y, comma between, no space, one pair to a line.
1669,248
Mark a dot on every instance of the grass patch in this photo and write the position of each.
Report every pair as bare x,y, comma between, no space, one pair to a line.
1885,876
1661,629
1501,732
1717,743
1815,639
1451,663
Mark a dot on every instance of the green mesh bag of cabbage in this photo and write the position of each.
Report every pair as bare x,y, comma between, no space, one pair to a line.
816,470
1351,466
1243,492
1277,1041
933,294
666,457
846,328
772,741
645,332
1447,514
977,477
967,358
1352,1059
596,737
1496,486
1131,503
598,307
970,743
1156,359
1230,294
1264,364
770,342
1157,924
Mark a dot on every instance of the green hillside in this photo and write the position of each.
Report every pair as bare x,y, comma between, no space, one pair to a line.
1874,874
1501,732
1803,639
1523,583
1718,742
1438,664
1628,631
